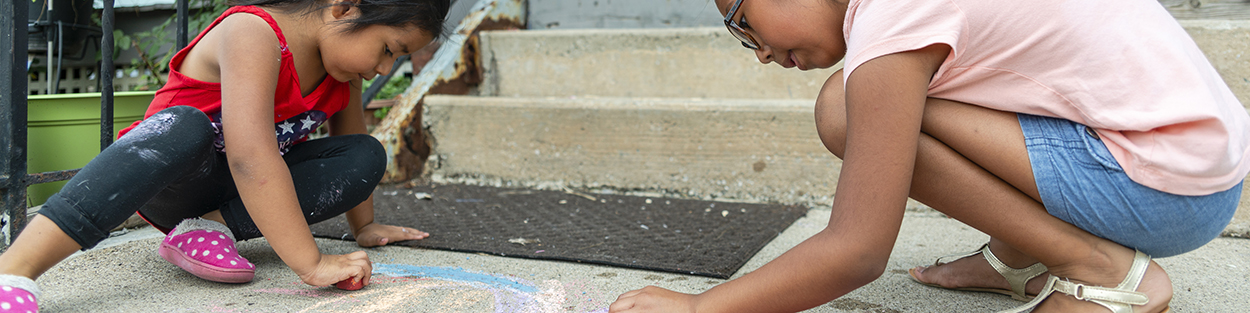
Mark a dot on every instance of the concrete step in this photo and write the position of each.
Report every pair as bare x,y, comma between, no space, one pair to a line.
650,110
707,62
765,150
748,150
672,62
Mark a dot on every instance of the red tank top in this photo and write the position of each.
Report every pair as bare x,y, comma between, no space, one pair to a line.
295,116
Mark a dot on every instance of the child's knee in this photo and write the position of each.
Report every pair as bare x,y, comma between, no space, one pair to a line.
371,155
175,134
189,120
188,124
831,114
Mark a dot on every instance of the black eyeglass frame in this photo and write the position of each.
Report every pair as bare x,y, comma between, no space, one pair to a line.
747,40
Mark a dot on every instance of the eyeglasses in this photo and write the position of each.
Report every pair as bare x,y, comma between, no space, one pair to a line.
746,39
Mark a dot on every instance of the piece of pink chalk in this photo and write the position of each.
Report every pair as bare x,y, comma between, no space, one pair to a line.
350,284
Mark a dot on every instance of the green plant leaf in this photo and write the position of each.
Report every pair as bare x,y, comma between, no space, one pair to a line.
381,113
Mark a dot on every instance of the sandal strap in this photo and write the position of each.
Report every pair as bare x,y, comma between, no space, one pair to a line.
1120,299
955,257
1046,291
1090,293
1018,278
1135,272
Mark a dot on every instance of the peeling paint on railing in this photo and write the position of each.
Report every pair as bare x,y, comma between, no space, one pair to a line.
453,60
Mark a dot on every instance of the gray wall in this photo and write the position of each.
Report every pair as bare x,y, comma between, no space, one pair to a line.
569,14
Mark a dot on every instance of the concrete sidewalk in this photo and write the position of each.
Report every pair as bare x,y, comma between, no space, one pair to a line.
128,276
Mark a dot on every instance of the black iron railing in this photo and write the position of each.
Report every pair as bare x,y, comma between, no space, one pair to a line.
14,20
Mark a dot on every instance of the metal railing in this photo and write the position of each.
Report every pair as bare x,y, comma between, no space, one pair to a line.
14,20
13,111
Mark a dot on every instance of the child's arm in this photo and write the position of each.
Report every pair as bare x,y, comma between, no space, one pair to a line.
348,121
249,64
885,101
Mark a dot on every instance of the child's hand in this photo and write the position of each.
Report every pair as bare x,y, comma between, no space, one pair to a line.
335,268
653,299
375,234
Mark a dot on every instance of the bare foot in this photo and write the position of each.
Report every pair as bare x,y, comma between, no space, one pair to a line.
972,272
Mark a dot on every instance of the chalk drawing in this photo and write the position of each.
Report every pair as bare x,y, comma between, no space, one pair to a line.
452,273
311,293
398,287
511,294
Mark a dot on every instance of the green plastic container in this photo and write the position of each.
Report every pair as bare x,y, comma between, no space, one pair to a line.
64,132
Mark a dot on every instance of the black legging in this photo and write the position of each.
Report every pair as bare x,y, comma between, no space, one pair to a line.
167,169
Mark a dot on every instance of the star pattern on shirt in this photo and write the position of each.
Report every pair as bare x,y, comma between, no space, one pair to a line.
285,131
309,123
289,135
286,127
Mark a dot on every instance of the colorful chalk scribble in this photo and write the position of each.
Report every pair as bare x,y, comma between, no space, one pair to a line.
399,287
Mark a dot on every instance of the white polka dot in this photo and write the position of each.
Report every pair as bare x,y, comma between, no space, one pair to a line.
7,288
195,251
188,240
227,250
234,263
180,245
249,264
5,305
221,236
214,242
219,257
205,252
20,300
200,240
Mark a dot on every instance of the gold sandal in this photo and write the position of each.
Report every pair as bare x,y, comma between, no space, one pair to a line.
1017,278
1120,299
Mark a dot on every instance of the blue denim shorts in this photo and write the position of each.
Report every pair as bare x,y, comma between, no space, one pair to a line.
1082,184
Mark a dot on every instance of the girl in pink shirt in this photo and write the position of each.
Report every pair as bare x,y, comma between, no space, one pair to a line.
1083,137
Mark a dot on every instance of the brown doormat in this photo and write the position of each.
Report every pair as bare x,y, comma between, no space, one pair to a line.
706,238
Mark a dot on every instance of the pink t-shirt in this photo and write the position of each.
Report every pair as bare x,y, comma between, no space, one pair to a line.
1123,67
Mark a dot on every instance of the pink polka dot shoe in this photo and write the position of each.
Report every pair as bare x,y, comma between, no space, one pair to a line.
206,249
18,294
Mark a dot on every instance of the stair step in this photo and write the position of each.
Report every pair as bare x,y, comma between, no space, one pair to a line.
702,62
764,150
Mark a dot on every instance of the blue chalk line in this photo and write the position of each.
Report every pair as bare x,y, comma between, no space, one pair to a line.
450,273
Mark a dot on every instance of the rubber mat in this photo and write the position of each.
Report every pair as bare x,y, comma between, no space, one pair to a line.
705,238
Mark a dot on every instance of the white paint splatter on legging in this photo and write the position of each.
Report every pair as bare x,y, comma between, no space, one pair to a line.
150,155
331,195
155,125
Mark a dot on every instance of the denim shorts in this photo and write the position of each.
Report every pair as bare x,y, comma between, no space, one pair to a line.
1082,184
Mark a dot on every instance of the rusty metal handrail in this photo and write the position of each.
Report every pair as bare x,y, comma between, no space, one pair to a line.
449,63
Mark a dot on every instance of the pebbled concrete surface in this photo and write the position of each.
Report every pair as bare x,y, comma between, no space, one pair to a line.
128,276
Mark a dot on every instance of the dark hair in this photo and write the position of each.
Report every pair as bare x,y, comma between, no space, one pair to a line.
427,15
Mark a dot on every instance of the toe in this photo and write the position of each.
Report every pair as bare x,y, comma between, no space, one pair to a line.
917,273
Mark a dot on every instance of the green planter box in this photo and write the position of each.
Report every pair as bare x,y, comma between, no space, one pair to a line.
64,132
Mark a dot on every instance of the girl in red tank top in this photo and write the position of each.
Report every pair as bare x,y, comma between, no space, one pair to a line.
223,151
